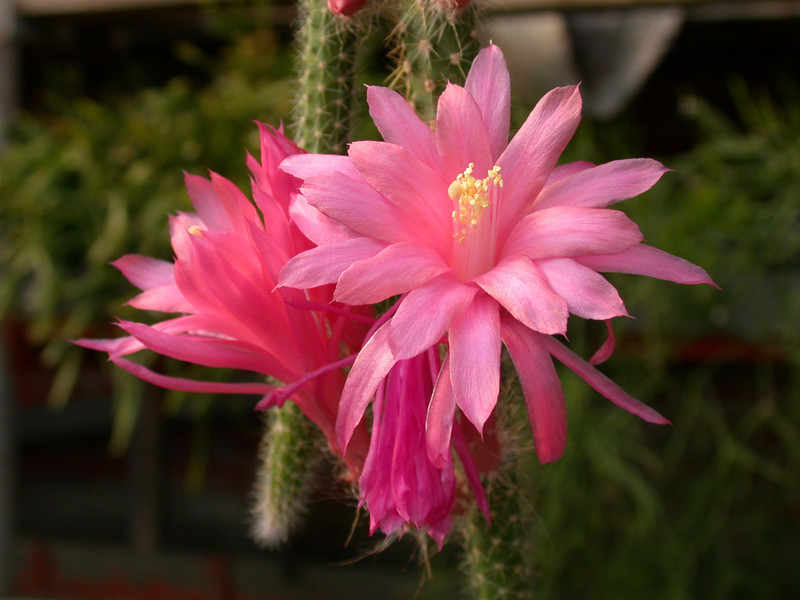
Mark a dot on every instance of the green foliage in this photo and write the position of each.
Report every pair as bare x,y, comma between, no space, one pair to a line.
94,181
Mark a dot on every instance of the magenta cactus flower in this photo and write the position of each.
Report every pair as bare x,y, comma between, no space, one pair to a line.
486,241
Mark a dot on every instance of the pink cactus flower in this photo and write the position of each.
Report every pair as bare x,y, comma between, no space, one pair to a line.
346,8
227,258
488,242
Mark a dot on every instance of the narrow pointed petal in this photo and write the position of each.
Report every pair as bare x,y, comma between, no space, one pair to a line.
439,421
649,261
461,135
586,292
426,313
166,299
144,272
399,124
471,471
600,383
316,226
605,351
324,264
531,155
475,359
304,166
541,386
374,361
523,290
567,169
603,185
489,84
393,271
563,231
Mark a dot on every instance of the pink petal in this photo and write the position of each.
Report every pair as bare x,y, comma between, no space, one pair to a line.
603,185
489,84
605,351
541,387
600,382
239,209
475,359
523,291
461,135
567,169
324,264
562,231
374,361
316,226
413,188
586,292
394,270
532,153
399,124
649,261
471,471
304,166
144,272
168,299
426,313
439,421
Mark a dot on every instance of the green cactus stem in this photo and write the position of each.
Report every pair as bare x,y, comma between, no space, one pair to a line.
435,42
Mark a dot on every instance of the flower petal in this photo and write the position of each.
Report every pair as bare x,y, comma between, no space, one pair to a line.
324,264
523,290
144,272
399,124
563,231
395,270
489,84
541,386
532,153
316,226
601,383
567,169
586,292
461,134
426,313
603,185
475,359
374,361
439,421
649,261
605,351
304,166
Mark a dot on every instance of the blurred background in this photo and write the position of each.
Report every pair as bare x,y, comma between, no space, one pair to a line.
113,489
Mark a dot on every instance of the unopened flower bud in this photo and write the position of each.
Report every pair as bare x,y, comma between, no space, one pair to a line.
346,8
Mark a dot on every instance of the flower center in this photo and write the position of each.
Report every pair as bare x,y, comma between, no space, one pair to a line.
471,197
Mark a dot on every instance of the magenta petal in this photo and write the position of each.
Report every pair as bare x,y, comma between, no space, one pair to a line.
316,226
144,272
399,124
646,260
374,361
586,292
600,383
605,351
461,134
324,264
532,153
426,313
563,231
523,290
471,471
603,185
439,421
475,359
544,396
393,271
489,84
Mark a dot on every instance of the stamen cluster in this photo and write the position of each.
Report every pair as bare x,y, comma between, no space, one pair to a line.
472,198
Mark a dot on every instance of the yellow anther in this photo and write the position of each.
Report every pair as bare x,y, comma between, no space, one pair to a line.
472,196
195,230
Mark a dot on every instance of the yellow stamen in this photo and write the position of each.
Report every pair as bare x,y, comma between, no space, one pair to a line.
195,230
472,196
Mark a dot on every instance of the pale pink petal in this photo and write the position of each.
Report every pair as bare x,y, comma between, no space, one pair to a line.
439,421
205,202
413,188
603,185
567,169
119,346
374,361
531,155
168,299
563,231
541,387
304,166
600,382
587,293
393,271
605,351
426,313
324,264
399,124
239,209
646,260
316,226
475,359
461,135
489,84
523,291
144,272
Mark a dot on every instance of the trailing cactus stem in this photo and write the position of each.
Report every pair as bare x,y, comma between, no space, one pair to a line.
436,42
325,102
289,454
